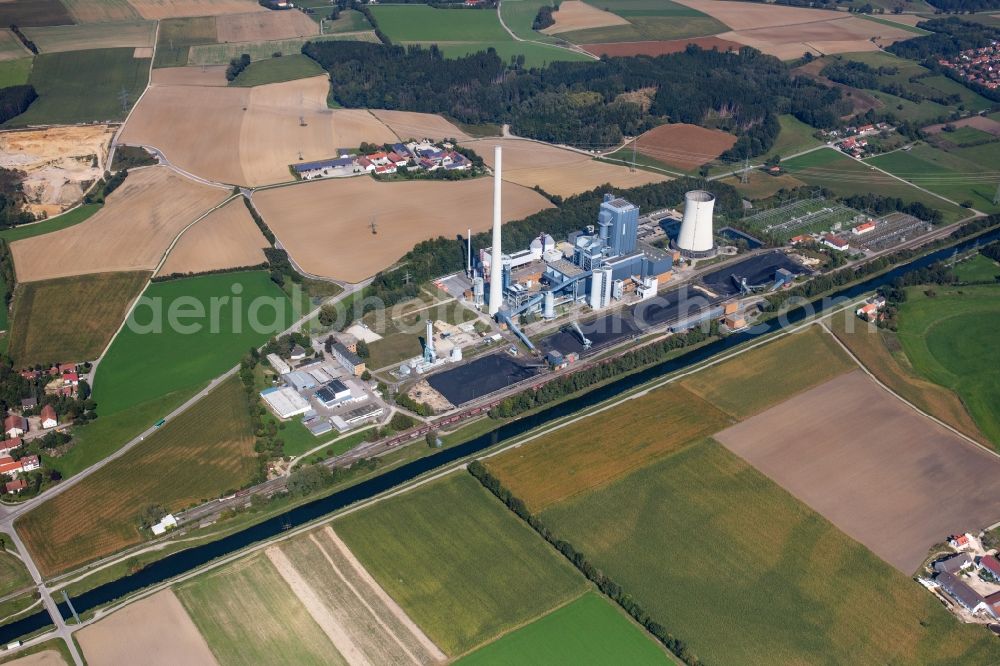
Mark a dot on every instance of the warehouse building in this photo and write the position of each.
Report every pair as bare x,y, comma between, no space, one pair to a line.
285,402
351,361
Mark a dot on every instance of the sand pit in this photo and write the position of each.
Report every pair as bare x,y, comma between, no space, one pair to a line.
324,224
43,658
625,49
265,26
161,9
255,133
557,170
684,146
840,35
410,125
227,238
131,232
209,75
154,631
747,15
577,15
885,475
58,162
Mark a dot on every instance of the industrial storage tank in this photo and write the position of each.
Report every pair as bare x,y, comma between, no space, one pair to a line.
696,238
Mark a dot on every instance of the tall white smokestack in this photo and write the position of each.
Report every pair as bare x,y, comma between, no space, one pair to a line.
496,270
468,256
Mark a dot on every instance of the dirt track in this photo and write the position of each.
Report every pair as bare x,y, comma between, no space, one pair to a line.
885,475
324,224
153,632
227,238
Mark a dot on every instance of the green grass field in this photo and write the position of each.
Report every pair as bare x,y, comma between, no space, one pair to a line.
13,574
535,55
70,319
206,451
276,70
588,631
785,366
835,171
458,562
648,20
142,366
178,35
960,135
67,219
977,269
519,16
34,12
743,573
349,21
15,72
83,86
249,615
947,173
948,337
221,54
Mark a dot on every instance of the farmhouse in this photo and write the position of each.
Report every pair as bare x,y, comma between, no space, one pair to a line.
15,426
15,486
954,564
48,416
990,565
964,595
8,445
959,541
29,403
11,468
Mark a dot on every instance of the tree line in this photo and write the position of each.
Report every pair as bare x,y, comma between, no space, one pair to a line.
15,100
583,103
12,201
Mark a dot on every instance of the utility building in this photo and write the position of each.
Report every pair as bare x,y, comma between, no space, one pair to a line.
619,225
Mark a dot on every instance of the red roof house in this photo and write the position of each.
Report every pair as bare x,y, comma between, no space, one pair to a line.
15,425
48,415
15,486
990,563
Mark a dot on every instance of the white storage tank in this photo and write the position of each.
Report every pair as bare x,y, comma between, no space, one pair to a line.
696,237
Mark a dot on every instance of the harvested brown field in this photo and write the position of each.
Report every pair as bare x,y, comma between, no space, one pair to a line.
59,38
597,450
342,245
59,162
227,238
625,49
43,658
142,52
11,47
363,622
131,232
747,16
100,11
840,35
983,123
208,75
264,26
881,472
684,146
161,9
577,15
153,631
411,125
256,133
557,170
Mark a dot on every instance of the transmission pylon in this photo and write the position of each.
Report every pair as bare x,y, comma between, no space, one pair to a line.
745,176
996,197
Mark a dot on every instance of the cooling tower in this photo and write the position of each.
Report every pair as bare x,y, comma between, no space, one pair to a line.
696,238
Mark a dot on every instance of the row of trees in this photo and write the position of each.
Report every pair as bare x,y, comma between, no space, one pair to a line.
603,582
15,100
583,103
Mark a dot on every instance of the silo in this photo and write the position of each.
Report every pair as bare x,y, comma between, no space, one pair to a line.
596,290
549,309
696,238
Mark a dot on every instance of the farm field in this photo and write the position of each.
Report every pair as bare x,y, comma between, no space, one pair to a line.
763,185
578,15
408,124
100,515
260,26
350,20
209,75
519,16
647,20
405,212
838,35
155,200
362,621
785,366
979,268
100,11
155,631
592,453
465,577
67,219
13,574
249,615
756,553
683,146
177,36
226,238
15,72
833,170
425,24
655,48
946,339
220,54
258,149
795,136
53,39
557,170
907,484
11,47
196,348
947,173
535,55
278,70
49,653
70,320
58,163
165,9
588,630
881,353
35,12
83,86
